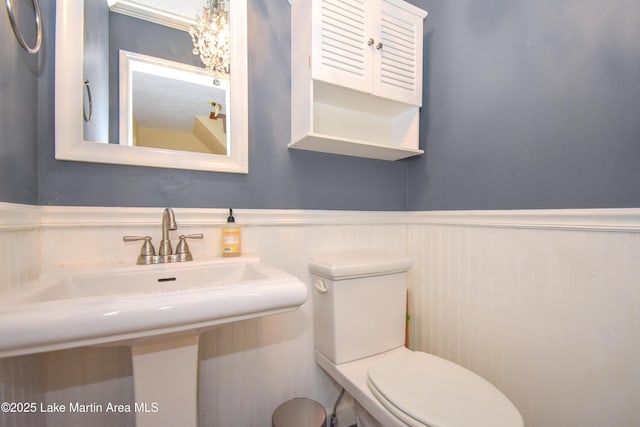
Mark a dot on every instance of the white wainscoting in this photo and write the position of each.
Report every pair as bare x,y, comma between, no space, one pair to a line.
21,381
247,368
20,227
545,304
21,378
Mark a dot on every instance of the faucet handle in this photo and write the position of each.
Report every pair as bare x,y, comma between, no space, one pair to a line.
147,248
191,236
135,238
182,250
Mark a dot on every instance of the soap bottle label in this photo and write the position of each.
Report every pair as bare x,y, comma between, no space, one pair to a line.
231,242
231,238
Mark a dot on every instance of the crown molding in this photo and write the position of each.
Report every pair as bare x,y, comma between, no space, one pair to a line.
152,14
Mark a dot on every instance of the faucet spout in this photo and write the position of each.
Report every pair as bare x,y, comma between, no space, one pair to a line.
168,223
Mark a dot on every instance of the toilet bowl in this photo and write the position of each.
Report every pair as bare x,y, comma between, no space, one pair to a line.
359,324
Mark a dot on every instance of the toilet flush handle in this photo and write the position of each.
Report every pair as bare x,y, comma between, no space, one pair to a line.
321,286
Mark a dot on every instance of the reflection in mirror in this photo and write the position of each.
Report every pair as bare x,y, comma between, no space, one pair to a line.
96,72
172,106
218,116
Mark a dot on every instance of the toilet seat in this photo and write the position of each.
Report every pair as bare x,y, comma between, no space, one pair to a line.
425,390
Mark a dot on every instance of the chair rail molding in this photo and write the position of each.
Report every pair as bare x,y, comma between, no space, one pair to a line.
19,216
15,216
606,219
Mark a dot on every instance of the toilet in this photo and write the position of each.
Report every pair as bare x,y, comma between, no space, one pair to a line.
359,307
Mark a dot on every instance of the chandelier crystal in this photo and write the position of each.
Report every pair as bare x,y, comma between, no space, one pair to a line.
210,37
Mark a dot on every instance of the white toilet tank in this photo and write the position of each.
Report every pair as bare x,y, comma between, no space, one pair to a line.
359,303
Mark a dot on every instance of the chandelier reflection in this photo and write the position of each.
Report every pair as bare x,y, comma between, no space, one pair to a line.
210,37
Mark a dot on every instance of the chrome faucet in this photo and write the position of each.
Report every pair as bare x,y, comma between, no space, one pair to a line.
165,254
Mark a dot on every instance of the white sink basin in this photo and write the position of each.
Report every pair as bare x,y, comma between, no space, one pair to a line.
76,308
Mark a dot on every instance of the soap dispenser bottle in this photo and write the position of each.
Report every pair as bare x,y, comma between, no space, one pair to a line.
230,237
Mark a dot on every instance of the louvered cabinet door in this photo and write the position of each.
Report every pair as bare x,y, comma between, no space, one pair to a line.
398,65
341,53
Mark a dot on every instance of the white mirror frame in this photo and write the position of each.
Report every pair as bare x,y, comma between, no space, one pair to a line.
69,98
196,76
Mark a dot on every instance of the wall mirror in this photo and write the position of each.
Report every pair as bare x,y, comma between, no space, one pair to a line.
211,134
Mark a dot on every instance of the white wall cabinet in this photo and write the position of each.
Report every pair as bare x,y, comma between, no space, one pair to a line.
356,70
371,46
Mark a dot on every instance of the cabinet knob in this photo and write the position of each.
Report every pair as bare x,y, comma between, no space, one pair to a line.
379,45
370,42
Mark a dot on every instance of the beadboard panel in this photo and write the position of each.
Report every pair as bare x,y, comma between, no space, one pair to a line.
542,303
550,316
21,380
20,245
19,257
20,377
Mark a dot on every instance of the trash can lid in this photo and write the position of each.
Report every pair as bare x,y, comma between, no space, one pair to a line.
299,412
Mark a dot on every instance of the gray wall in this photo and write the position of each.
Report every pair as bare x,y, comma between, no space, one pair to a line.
530,104
278,177
18,109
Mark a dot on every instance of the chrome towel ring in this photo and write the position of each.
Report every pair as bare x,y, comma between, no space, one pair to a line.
14,26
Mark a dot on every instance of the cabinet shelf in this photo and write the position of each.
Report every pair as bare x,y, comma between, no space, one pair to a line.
339,120
352,147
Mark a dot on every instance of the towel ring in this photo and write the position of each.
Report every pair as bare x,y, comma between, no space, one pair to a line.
84,111
14,26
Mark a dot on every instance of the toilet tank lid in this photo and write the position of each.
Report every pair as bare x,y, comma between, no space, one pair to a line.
352,264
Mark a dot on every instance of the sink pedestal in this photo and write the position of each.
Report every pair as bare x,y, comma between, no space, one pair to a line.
165,376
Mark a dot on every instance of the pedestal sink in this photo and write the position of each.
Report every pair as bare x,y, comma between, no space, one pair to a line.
159,310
